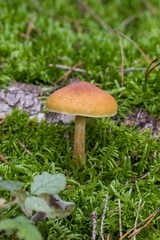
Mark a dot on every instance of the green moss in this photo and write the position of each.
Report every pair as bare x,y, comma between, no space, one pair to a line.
116,156
66,34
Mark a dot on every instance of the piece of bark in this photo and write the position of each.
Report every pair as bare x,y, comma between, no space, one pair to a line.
29,98
143,120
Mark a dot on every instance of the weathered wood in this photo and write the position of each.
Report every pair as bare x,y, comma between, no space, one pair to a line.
29,98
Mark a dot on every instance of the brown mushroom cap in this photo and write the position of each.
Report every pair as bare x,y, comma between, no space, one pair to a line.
83,99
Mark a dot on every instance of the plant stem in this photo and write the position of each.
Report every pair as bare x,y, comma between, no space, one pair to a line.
79,155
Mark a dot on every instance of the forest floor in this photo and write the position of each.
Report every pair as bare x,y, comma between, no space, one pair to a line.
114,45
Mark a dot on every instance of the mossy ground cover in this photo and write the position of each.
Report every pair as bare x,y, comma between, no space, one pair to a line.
67,33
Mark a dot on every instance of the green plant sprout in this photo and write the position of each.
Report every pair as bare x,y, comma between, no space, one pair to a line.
22,228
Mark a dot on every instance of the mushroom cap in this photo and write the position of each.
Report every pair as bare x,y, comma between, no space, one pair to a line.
82,99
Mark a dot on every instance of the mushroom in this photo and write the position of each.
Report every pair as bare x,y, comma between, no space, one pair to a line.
81,99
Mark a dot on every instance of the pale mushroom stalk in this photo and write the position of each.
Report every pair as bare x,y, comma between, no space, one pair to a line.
81,99
79,155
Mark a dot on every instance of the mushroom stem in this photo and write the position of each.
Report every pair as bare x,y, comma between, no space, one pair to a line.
79,155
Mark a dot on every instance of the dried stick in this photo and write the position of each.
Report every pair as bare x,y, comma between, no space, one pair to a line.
132,69
136,46
75,69
66,75
128,21
95,16
150,68
3,159
122,60
94,224
138,178
103,217
136,220
108,236
64,67
24,148
120,218
151,217
107,28
126,70
148,219
30,28
150,7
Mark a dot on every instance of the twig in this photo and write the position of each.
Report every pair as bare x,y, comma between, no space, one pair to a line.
150,7
138,178
122,60
94,224
128,70
120,218
136,220
30,28
108,236
2,203
107,28
103,217
149,219
64,67
136,46
3,159
128,21
139,113
102,84
66,75
25,149
92,13
75,69
150,67
1,121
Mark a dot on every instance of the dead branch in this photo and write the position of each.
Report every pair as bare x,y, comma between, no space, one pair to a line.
3,159
66,75
103,217
120,218
147,220
24,148
94,224
151,67
136,220
64,67
122,60
107,28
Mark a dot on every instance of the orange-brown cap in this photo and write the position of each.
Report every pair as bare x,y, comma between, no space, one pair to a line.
83,99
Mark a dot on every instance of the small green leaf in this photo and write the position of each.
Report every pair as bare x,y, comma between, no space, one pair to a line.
48,183
23,227
20,197
53,206
61,213
59,208
37,204
11,185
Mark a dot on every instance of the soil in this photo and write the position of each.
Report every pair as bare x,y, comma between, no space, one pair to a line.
143,120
